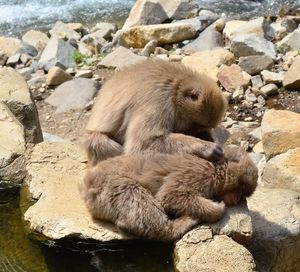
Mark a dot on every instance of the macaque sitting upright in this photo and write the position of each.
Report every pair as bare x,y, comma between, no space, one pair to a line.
163,196
155,106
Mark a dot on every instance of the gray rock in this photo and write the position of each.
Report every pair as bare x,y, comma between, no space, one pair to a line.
255,64
36,39
105,30
279,30
200,251
249,45
84,73
13,60
268,89
48,137
283,171
290,42
271,77
180,9
292,78
26,72
256,82
57,53
149,48
95,41
73,94
146,12
62,31
120,58
15,93
12,137
198,23
207,40
208,15
275,244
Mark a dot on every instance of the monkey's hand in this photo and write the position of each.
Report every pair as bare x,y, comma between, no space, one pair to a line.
208,150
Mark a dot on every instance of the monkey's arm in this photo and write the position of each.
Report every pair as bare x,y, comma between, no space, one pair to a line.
100,147
193,205
146,134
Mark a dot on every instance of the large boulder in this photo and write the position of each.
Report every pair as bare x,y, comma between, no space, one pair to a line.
290,42
275,244
201,251
280,131
54,171
35,38
10,46
255,64
209,61
14,92
251,44
57,53
63,31
180,9
292,78
120,58
139,36
73,94
283,171
145,12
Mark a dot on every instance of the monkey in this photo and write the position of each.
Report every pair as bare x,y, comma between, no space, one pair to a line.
163,196
155,106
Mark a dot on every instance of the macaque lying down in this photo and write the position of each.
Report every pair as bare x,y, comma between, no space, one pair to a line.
163,196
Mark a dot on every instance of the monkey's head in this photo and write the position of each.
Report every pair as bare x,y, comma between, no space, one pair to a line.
243,168
201,101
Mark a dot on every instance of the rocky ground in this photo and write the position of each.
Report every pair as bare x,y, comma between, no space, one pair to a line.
48,85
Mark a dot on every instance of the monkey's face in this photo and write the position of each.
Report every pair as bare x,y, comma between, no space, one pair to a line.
202,105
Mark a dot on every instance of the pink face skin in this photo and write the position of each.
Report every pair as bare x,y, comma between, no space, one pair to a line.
233,197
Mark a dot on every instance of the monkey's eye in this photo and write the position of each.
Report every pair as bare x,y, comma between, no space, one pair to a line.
194,97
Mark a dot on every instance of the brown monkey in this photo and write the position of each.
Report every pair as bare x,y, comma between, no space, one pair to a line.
139,193
156,106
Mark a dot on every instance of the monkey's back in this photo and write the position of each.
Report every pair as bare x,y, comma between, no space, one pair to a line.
147,84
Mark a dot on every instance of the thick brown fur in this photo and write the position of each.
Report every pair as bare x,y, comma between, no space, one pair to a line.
140,193
156,106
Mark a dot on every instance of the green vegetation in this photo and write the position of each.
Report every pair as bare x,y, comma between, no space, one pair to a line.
79,57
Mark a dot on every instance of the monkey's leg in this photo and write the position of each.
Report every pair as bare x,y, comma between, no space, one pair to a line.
195,206
100,147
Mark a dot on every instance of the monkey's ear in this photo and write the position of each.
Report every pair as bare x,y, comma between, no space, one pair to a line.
234,153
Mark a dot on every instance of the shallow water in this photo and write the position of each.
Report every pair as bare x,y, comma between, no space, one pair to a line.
18,16
19,253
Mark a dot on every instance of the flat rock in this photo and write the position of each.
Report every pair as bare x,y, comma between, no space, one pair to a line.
120,58
15,93
231,27
280,131
139,36
180,9
250,44
56,76
259,27
292,78
145,12
201,251
256,82
272,77
10,46
12,137
105,30
13,60
208,62
84,73
35,38
275,244
94,41
57,53
232,77
290,42
283,171
207,40
255,64
52,169
73,94
62,31
268,89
